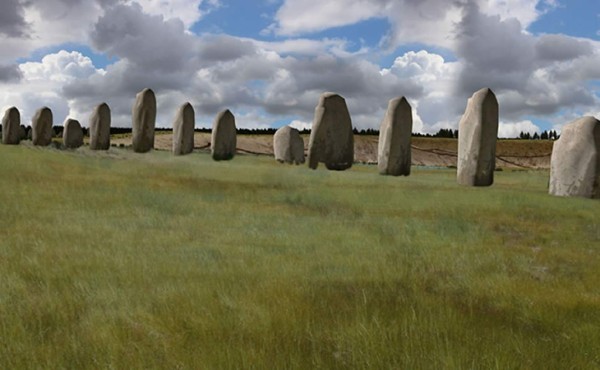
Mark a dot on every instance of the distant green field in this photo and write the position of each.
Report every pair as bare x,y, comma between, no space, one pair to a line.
122,261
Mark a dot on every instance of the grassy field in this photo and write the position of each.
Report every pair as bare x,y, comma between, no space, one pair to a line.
122,261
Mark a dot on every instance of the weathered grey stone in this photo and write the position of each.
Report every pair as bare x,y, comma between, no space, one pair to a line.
575,161
477,135
288,145
331,139
143,121
22,132
72,134
100,128
183,130
395,133
223,139
42,127
11,126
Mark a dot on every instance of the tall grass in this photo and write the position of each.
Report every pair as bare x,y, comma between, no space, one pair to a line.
119,260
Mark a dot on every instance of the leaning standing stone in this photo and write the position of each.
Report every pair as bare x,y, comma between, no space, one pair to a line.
575,161
72,134
183,130
11,126
331,139
223,138
477,134
143,121
288,145
100,128
42,127
394,139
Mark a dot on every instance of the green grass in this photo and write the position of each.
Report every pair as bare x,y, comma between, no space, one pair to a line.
126,261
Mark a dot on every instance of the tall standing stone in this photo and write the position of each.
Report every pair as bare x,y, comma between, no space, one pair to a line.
41,124
72,134
477,135
11,126
223,139
143,121
288,145
394,139
100,128
331,139
183,130
575,161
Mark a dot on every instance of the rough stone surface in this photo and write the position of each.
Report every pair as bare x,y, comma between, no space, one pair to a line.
331,139
22,132
11,126
72,134
288,145
42,127
394,139
477,135
143,121
575,161
183,130
100,128
223,138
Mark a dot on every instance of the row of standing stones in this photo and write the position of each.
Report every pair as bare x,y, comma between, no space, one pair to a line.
575,161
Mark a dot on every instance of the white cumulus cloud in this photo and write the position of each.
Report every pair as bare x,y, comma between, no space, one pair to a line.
188,11
513,129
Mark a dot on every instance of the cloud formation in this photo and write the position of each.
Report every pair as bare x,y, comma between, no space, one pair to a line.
279,79
12,19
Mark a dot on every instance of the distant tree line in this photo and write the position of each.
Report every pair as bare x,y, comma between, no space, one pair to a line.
442,133
545,135
447,133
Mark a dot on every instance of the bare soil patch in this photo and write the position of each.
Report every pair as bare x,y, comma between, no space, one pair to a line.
435,152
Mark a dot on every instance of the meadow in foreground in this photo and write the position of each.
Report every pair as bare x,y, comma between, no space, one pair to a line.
122,261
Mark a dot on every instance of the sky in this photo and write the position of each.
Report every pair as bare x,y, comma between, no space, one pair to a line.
268,61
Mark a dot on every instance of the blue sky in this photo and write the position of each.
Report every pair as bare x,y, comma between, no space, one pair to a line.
269,60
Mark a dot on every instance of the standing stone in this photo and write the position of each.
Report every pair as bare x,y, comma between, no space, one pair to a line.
331,139
72,134
11,126
143,121
575,161
394,139
183,130
223,140
288,145
477,134
42,127
100,128
22,133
